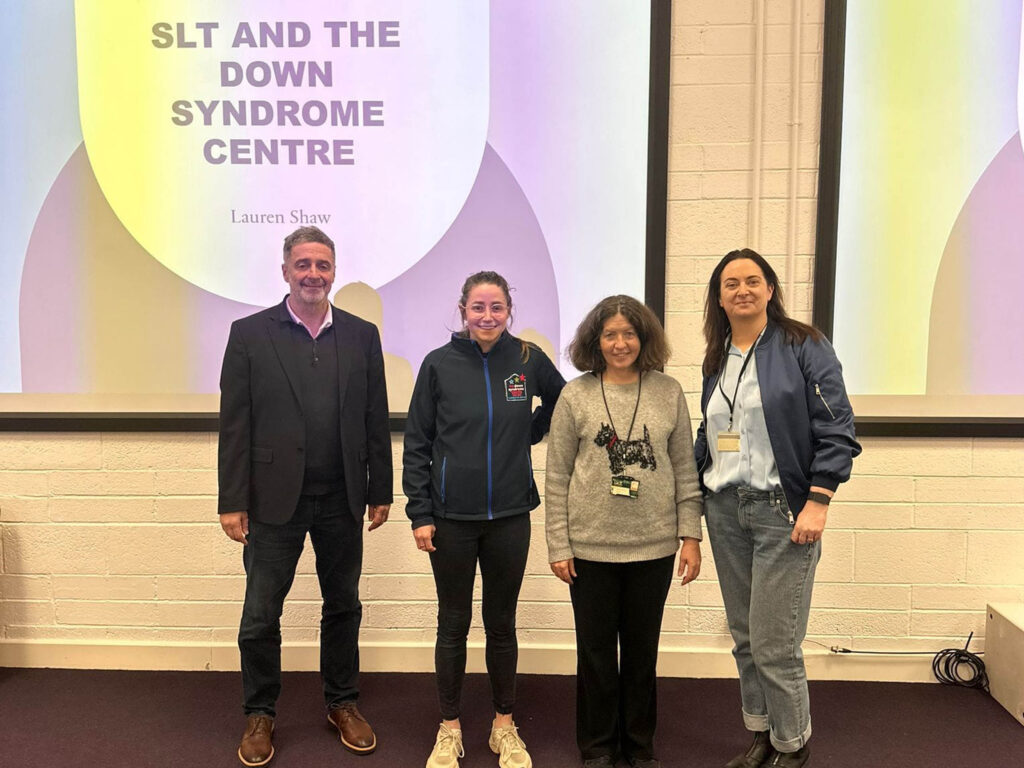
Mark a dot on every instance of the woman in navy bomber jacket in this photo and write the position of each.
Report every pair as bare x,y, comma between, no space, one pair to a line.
775,442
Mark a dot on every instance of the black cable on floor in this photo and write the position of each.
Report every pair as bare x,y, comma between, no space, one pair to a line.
947,664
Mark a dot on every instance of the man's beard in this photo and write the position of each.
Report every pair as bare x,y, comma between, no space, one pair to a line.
313,294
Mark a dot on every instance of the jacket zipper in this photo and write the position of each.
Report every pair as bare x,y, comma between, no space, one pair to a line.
444,464
817,391
490,435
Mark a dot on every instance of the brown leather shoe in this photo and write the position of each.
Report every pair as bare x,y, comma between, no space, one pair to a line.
356,734
256,747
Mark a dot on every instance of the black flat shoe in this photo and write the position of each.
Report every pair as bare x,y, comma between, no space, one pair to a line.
644,762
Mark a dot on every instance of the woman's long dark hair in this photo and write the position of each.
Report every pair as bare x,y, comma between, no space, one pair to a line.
716,322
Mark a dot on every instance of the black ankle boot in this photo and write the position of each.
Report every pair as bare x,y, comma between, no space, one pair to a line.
790,759
756,755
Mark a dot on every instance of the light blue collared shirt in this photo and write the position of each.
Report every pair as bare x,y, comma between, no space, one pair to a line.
753,465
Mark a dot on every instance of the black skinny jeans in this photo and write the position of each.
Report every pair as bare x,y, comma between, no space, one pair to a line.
501,547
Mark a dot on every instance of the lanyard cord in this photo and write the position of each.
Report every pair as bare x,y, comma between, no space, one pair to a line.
743,369
615,434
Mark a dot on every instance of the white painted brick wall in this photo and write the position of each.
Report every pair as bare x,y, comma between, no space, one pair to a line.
113,537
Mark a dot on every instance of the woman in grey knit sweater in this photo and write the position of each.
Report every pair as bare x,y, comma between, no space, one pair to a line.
621,494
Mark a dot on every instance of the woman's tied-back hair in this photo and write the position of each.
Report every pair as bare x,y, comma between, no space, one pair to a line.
488,277
716,322
584,350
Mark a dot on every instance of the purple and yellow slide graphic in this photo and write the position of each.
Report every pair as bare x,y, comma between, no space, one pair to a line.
157,153
931,239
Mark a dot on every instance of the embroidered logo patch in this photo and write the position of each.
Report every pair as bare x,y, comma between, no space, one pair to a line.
515,387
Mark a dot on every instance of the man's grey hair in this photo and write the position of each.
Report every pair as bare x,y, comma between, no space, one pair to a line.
306,235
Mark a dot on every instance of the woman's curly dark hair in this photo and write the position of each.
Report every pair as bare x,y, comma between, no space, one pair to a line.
584,350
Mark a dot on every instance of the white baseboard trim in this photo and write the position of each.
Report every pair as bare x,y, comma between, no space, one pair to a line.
419,657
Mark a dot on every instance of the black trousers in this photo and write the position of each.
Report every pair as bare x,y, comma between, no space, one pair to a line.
618,609
501,547
270,558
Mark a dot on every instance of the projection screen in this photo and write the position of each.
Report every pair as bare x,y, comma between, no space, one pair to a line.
156,154
920,232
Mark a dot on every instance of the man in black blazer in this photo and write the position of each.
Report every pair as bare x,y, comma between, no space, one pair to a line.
304,448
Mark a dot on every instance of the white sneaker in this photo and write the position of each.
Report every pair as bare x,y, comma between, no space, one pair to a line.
447,749
509,748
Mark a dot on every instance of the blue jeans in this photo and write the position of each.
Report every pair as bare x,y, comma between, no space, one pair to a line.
766,583
270,557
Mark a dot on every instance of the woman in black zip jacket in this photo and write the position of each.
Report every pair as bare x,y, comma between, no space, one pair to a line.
468,478
775,442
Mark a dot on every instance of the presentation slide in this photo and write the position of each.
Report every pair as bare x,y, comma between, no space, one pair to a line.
155,154
930,249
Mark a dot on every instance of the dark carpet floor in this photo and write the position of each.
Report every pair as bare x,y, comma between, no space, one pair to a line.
52,717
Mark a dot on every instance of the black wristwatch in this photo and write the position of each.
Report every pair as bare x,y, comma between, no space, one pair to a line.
821,498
